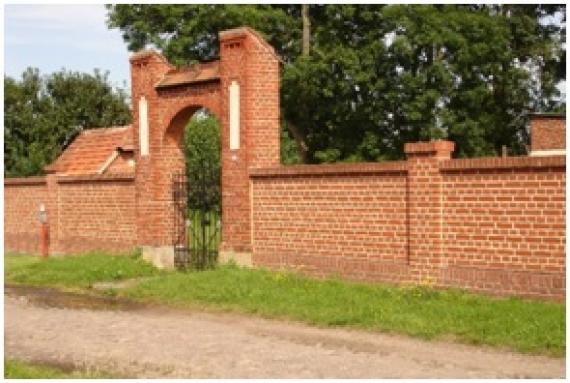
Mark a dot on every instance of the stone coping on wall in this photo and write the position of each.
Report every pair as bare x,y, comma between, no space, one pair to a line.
523,162
96,178
398,167
37,180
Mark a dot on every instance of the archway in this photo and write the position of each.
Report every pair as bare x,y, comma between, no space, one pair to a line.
242,90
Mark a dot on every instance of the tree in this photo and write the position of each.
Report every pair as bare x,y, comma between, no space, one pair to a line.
377,76
202,154
43,114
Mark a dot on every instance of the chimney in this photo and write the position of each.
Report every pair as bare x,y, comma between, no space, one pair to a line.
547,134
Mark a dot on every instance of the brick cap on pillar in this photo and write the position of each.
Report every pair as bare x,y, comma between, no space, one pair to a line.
147,53
242,32
441,149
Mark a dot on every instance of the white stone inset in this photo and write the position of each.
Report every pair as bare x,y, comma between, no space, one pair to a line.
234,115
548,152
143,126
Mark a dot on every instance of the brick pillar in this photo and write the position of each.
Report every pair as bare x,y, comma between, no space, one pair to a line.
425,207
246,59
153,229
52,209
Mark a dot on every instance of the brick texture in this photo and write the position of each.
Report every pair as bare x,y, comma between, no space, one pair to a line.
95,214
85,213
351,223
493,225
22,199
547,132
504,229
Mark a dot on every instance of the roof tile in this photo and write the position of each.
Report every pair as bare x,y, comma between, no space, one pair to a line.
90,149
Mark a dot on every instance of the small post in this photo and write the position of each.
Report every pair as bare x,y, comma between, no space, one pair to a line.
504,151
44,231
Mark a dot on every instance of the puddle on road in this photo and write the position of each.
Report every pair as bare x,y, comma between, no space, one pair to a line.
49,297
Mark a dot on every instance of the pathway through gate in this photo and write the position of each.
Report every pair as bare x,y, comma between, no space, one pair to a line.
197,226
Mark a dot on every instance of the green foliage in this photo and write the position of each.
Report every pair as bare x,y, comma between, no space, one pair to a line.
288,147
382,75
43,114
17,369
202,151
74,271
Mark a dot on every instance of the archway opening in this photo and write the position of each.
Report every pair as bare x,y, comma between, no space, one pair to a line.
196,188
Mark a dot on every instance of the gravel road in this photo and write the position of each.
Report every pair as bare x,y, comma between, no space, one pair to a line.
152,342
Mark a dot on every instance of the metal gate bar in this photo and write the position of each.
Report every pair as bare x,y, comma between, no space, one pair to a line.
197,221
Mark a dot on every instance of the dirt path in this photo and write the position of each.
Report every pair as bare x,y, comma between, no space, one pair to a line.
138,341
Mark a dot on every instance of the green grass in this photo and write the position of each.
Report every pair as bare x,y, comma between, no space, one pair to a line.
523,325
15,369
527,326
75,271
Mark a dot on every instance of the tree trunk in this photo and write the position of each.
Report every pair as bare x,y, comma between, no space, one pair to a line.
302,148
306,29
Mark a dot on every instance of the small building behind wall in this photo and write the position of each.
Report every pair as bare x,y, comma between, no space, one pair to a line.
97,151
547,134
89,194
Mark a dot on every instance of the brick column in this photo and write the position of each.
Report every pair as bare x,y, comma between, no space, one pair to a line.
52,209
425,207
153,229
249,61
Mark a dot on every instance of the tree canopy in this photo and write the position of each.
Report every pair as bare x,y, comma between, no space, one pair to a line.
42,114
202,154
378,76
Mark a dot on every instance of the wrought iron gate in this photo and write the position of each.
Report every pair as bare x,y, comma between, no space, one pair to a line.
197,220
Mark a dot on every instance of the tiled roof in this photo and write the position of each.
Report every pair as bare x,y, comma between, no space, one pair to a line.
198,73
91,149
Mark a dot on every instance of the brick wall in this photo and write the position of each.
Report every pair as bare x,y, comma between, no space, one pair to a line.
85,213
95,213
22,199
345,219
495,225
504,225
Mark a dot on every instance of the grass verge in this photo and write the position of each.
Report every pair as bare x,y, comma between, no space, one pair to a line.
16,369
522,325
79,271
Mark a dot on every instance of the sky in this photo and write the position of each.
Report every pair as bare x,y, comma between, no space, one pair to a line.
74,37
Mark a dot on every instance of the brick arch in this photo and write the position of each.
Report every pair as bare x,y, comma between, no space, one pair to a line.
178,121
173,96
181,101
172,155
